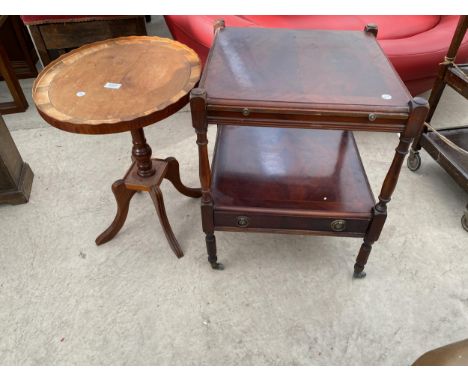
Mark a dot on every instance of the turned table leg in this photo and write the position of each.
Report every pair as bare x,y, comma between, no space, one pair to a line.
200,123
141,153
146,174
419,108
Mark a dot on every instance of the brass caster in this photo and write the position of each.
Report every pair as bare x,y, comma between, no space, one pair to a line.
217,266
359,275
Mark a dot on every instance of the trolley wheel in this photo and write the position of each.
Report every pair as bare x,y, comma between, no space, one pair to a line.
414,161
464,221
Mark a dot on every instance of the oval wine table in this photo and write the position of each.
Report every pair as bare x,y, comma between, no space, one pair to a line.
118,85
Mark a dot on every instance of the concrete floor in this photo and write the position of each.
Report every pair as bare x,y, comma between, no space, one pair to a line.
282,300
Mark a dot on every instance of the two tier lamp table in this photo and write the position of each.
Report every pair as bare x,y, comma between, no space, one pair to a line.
286,103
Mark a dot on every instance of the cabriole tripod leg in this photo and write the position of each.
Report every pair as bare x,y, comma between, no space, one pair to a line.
211,248
173,175
156,196
122,196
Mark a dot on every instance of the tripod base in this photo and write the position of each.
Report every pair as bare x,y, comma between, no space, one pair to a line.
125,188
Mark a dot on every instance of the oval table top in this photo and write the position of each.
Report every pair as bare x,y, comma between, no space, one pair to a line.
116,85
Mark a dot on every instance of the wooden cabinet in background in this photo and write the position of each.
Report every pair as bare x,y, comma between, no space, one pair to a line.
19,47
15,175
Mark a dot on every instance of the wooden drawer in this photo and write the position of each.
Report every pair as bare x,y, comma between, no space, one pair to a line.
316,119
233,221
290,180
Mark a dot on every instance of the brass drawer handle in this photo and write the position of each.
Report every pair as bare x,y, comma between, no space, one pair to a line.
243,221
245,112
338,225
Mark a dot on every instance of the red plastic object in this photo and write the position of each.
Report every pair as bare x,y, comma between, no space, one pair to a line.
414,44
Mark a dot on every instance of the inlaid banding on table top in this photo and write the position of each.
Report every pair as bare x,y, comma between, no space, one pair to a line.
140,97
50,111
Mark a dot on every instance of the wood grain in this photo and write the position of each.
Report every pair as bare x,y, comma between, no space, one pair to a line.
294,172
154,76
304,68
264,88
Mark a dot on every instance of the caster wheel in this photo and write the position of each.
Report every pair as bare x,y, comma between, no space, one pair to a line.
359,275
217,266
464,221
414,161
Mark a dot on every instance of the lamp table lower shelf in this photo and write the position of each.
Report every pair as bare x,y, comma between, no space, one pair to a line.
289,180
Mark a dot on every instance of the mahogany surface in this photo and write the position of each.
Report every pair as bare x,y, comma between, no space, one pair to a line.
120,85
152,78
263,88
303,69
300,172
